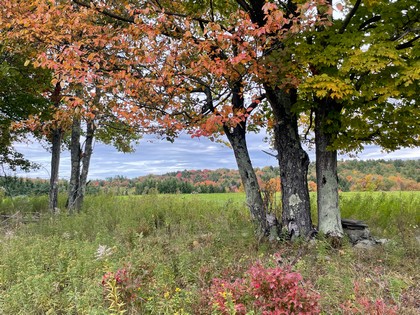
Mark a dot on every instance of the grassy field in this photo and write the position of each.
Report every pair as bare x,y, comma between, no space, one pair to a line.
158,254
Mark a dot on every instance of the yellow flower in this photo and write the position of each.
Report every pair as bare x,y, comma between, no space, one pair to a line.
166,295
177,290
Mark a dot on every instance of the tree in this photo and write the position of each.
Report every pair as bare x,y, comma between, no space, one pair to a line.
102,125
154,56
362,88
55,48
237,56
21,88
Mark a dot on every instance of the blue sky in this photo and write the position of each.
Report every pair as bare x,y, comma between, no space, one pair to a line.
154,156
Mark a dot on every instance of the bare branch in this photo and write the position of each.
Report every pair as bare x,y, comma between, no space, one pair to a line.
349,17
310,124
105,12
408,44
367,23
271,154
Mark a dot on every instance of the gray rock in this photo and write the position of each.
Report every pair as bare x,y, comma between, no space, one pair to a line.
365,244
382,241
357,235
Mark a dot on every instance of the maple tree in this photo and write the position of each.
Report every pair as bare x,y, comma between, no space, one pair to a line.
361,86
21,90
207,67
40,26
158,57
101,125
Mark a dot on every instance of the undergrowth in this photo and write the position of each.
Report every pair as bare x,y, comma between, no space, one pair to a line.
158,254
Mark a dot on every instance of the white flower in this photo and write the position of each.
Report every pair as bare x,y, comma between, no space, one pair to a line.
103,251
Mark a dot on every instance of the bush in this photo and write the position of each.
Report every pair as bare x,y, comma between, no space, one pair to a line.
363,305
267,291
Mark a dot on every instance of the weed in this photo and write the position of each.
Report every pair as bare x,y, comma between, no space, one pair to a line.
172,247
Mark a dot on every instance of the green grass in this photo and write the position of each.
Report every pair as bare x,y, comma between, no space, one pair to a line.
173,246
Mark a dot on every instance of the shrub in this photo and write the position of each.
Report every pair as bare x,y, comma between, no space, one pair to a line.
267,291
121,289
362,305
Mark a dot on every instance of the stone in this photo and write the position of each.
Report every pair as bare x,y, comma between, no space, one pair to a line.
357,235
365,244
382,241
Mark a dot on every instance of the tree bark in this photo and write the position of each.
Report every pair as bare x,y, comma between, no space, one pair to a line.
75,153
86,156
266,223
55,166
293,163
56,139
293,160
329,217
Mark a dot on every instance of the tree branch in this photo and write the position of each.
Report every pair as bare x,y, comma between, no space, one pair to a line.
255,103
349,17
105,12
271,154
244,5
373,19
408,44
310,124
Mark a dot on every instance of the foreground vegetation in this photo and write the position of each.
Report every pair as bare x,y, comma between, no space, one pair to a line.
159,254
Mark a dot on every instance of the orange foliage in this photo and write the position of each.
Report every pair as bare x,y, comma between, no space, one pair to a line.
152,64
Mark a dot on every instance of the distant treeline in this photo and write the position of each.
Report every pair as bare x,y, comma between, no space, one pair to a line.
371,175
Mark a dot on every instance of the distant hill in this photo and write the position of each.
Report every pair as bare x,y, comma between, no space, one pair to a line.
370,175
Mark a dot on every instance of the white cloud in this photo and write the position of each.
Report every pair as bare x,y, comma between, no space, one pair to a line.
154,156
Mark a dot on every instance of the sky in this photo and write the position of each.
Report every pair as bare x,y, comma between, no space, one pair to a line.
154,156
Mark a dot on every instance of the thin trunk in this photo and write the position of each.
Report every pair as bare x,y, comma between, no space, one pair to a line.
293,163
55,165
56,139
86,156
267,224
75,153
329,217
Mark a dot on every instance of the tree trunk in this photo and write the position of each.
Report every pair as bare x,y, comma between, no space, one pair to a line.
267,224
86,156
329,217
56,139
293,163
55,165
75,153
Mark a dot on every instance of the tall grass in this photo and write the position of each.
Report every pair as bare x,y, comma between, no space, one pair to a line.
387,213
173,246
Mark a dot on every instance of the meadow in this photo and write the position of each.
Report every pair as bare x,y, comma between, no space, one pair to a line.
160,254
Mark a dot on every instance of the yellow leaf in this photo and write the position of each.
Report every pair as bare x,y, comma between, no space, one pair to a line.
27,62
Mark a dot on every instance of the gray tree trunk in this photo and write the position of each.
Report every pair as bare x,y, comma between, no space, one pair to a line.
75,153
293,163
56,140
86,156
266,225
55,166
329,217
